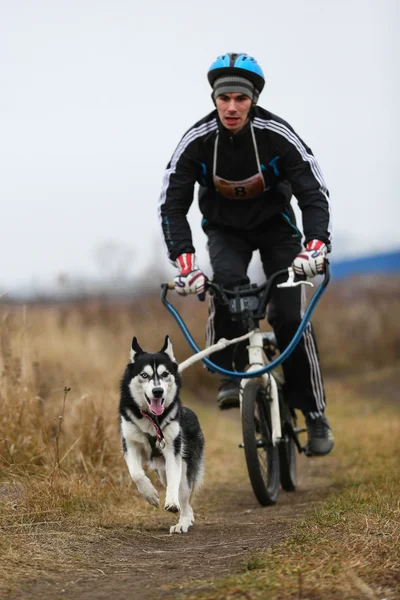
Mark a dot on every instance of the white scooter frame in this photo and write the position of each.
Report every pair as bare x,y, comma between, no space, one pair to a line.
257,360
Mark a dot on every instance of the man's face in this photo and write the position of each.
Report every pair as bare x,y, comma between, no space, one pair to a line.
233,110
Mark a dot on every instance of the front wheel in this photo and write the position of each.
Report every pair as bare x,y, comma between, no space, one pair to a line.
262,457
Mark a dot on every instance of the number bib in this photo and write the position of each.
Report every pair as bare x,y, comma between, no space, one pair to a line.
239,190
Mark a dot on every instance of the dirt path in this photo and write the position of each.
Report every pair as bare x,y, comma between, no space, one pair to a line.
147,564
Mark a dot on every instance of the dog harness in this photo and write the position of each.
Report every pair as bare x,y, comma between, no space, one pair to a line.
159,433
246,188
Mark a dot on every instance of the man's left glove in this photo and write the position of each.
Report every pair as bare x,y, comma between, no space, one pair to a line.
190,279
311,261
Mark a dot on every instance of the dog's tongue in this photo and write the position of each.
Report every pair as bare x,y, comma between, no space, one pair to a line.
156,407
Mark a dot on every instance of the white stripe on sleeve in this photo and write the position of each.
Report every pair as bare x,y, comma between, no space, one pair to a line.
191,135
306,156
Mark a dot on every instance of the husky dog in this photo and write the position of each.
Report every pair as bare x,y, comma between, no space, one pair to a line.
156,429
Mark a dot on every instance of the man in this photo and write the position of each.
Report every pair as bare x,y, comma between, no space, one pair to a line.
248,163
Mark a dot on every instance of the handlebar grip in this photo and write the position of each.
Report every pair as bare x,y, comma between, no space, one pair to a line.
171,285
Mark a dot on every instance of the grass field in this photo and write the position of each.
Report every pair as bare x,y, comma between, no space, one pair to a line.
64,485
349,546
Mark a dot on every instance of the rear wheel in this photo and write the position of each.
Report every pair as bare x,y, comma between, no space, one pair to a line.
262,457
287,449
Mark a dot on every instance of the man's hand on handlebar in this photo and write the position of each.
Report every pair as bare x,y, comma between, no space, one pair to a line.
191,280
311,261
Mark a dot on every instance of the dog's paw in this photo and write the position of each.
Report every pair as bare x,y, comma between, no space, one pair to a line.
182,526
149,492
172,506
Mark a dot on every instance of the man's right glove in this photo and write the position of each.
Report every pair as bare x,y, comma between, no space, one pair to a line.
190,279
311,261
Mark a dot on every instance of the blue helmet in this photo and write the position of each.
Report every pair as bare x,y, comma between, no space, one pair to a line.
233,63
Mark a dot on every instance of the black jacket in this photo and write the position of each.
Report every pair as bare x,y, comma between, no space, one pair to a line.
287,165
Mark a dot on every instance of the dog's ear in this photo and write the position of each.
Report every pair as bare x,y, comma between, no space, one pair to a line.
136,349
167,348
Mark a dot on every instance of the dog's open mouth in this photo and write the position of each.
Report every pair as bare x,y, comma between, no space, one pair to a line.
156,405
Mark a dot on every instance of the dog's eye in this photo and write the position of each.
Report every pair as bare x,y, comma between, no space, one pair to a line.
165,374
144,375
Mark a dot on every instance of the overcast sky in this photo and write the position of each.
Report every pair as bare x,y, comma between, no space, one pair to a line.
96,94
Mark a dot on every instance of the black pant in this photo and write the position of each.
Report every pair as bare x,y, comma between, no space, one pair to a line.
230,254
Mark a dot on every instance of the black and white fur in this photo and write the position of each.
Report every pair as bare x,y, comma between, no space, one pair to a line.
151,385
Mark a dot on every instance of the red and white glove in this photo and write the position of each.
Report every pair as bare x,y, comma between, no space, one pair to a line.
311,261
190,279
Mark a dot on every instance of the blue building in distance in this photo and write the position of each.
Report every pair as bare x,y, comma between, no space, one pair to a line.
380,264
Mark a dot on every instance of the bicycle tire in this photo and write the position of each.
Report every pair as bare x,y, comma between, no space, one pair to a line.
287,450
262,462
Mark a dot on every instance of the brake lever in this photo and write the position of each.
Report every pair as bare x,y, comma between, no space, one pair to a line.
290,282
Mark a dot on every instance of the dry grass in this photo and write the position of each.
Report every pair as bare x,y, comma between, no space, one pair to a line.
349,548
358,326
61,469
83,348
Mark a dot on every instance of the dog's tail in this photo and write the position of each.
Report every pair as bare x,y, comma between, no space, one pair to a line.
199,478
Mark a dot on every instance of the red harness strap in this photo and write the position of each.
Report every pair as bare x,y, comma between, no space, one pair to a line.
160,437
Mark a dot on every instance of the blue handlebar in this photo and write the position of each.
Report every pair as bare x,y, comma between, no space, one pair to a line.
275,363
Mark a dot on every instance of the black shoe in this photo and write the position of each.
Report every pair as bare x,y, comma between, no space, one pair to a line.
228,394
320,438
